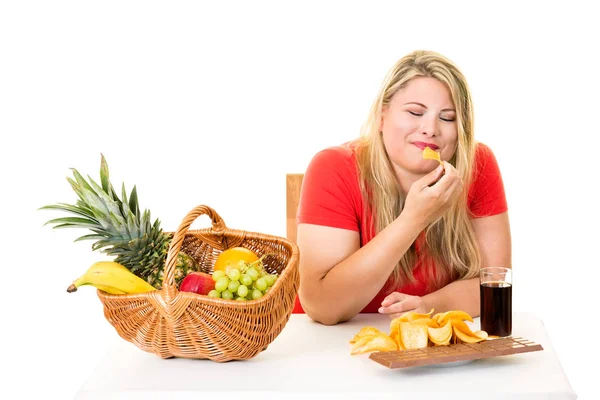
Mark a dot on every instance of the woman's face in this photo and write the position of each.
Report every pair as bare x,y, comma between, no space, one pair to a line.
419,115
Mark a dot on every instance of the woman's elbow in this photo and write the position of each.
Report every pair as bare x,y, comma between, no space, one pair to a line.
323,316
328,320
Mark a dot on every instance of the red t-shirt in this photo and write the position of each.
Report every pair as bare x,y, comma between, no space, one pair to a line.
331,196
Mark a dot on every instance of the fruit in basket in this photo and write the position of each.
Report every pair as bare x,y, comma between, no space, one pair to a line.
232,257
119,228
112,278
197,282
413,331
242,281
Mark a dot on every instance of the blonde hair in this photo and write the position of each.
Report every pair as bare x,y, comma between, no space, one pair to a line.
450,241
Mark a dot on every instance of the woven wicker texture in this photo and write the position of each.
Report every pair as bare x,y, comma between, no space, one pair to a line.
170,323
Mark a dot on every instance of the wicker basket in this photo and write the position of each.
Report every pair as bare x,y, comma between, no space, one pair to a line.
170,323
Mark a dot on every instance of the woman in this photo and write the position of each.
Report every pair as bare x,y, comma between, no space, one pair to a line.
380,229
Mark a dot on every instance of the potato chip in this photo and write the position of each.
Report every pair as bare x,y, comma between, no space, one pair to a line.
430,322
395,333
464,333
441,319
429,154
440,336
360,343
481,334
366,331
379,342
466,338
414,334
462,326
417,330
411,316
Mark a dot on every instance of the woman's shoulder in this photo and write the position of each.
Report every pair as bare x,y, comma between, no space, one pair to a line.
344,151
483,152
340,158
486,194
484,158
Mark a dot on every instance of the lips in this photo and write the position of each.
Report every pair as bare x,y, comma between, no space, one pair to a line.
422,145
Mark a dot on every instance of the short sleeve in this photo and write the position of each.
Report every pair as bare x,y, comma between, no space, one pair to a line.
486,195
329,190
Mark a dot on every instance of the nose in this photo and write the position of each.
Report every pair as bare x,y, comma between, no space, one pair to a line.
429,126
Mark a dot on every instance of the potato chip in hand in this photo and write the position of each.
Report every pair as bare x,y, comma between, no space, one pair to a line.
429,154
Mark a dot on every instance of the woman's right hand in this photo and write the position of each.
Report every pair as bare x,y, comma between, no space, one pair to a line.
431,196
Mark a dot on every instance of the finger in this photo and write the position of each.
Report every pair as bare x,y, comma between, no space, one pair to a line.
399,308
405,305
392,298
454,191
431,177
394,316
446,181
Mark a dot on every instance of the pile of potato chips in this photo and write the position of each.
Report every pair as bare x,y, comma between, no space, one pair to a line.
413,331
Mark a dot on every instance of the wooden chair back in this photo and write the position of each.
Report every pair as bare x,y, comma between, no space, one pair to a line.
293,185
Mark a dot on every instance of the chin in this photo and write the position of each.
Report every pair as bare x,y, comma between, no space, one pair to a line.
426,167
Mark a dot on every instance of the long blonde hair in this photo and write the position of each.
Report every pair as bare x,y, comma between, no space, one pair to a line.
450,241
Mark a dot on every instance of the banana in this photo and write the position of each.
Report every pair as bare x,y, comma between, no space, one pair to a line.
109,289
113,278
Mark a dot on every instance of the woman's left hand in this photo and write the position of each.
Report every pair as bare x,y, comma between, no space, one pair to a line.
397,304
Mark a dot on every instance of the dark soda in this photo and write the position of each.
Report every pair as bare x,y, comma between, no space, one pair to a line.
496,308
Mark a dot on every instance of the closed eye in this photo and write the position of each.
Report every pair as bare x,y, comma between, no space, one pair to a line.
443,119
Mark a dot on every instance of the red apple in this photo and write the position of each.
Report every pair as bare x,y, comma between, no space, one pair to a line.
197,282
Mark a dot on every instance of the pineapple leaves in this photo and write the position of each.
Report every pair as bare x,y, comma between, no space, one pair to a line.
119,224
132,225
74,221
88,195
116,226
78,210
92,237
110,204
133,202
104,175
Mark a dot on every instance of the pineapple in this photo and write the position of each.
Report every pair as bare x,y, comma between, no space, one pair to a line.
120,229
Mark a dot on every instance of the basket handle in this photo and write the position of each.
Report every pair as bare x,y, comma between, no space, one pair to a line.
218,226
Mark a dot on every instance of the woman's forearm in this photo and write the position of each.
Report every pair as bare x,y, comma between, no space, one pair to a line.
459,295
350,285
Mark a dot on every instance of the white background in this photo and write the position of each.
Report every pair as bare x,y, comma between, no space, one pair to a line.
203,104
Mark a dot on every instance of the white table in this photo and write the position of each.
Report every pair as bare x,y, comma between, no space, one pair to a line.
309,359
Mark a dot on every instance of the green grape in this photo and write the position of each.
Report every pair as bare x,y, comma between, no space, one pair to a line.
214,293
245,280
270,279
218,275
241,265
256,294
261,284
229,267
222,284
233,286
234,274
242,291
252,273
240,298
226,294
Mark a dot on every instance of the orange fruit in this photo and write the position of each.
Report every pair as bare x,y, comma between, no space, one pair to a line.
233,256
